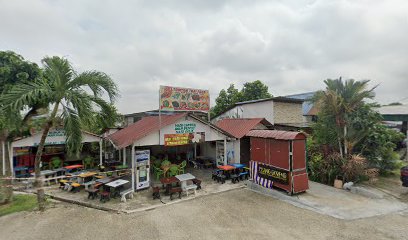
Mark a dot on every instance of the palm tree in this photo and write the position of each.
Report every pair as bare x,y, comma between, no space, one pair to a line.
78,95
340,99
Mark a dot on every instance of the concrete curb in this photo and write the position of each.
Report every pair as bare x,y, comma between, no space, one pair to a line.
84,204
112,210
179,201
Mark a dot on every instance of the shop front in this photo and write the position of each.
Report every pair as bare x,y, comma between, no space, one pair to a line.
175,138
24,151
278,160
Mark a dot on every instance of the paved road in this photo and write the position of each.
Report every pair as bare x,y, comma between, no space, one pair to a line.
238,214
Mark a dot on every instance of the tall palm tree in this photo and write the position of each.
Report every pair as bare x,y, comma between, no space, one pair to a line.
342,98
78,95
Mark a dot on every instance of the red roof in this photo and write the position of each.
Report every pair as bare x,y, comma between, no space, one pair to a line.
239,127
142,128
275,134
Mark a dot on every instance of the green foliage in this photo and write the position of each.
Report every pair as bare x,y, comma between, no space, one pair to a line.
79,95
254,90
251,91
21,202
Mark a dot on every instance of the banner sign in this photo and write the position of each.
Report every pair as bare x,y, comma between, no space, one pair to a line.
185,127
274,174
184,99
183,138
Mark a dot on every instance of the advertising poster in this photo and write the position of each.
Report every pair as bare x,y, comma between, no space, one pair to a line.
183,138
184,99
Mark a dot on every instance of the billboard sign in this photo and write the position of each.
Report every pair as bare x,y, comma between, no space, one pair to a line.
184,99
183,138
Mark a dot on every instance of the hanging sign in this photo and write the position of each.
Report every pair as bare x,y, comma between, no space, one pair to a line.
274,174
184,99
183,138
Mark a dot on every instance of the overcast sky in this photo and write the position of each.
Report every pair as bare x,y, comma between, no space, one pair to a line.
292,46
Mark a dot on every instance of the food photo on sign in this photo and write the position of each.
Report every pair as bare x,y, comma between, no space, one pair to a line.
187,99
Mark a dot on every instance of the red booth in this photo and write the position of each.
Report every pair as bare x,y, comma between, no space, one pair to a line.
278,159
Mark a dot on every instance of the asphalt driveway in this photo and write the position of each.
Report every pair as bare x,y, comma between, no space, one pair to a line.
237,214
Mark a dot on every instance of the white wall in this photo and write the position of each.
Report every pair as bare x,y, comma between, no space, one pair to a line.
153,138
250,110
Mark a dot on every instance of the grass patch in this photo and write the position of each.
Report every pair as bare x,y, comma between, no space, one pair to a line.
21,202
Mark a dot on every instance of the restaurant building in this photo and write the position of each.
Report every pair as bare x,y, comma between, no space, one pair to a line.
174,136
24,150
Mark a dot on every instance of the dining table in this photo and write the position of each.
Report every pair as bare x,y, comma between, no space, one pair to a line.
227,170
116,186
168,181
183,178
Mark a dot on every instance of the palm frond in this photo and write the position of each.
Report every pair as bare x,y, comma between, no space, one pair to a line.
98,82
27,94
73,130
57,71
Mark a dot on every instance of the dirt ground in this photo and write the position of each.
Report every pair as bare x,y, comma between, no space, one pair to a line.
237,214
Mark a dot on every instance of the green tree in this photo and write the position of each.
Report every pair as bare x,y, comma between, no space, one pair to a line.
339,100
79,95
254,90
14,69
250,91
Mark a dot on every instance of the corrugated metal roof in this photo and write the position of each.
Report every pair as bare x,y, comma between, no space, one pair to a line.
142,128
275,134
393,110
239,127
307,104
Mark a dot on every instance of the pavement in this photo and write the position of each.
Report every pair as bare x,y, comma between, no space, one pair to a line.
142,200
235,214
363,202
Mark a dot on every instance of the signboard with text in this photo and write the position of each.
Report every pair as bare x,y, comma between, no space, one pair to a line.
184,99
272,173
183,138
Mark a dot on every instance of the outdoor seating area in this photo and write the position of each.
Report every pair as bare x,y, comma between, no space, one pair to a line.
235,172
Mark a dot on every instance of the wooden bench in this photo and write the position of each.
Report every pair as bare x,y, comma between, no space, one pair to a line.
244,175
75,187
124,193
197,182
234,178
175,190
92,193
221,178
156,193
105,196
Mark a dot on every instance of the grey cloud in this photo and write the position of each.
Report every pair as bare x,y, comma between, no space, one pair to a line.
290,45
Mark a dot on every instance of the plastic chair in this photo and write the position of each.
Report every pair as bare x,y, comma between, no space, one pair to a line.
182,166
165,163
173,171
88,162
158,172
56,162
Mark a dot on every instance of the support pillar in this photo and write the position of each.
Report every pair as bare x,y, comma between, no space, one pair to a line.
133,167
100,152
225,152
124,155
11,153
